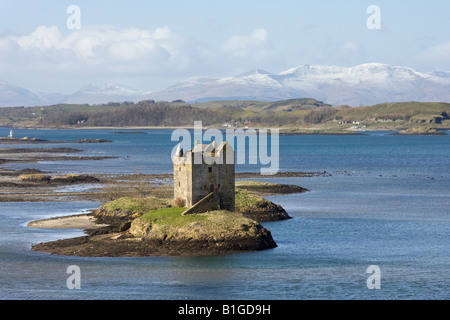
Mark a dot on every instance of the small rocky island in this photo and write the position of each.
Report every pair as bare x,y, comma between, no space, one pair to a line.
210,214
27,140
421,131
139,227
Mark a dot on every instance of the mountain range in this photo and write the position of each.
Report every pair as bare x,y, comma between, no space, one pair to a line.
365,84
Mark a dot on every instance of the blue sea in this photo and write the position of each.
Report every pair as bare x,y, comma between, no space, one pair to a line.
384,202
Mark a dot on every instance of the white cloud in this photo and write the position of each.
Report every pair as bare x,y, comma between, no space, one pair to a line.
94,52
51,58
6,46
43,38
437,55
241,53
349,52
350,46
253,45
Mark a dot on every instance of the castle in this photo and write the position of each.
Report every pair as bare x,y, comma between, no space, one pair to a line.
204,178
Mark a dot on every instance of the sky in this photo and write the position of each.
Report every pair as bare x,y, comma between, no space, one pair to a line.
150,45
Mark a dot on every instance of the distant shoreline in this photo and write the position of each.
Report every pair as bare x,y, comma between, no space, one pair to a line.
282,131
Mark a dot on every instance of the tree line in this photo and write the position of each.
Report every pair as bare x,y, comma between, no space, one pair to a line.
140,114
157,114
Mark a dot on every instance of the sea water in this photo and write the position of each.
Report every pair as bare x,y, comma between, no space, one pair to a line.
383,201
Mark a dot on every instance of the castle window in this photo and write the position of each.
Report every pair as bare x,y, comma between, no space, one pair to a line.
218,185
210,169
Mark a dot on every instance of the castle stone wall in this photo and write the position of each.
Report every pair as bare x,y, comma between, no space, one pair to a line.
193,182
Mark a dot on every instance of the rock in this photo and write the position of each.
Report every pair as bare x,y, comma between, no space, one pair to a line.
93,141
255,207
70,179
125,226
265,212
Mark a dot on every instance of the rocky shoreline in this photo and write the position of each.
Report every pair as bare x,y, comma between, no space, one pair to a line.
27,140
115,245
422,131
106,241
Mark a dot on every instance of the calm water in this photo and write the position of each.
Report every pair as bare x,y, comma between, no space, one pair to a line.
386,204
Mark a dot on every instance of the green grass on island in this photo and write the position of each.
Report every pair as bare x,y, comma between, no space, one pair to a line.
168,223
128,205
249,205
158,219
167,215
245,198
141,206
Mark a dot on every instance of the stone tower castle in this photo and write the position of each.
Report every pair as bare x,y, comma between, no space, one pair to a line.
205,177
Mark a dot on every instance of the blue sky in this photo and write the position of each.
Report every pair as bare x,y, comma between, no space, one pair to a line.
150,45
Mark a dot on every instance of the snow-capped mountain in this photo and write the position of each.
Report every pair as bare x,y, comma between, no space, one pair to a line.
102,93
365,84
12,96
